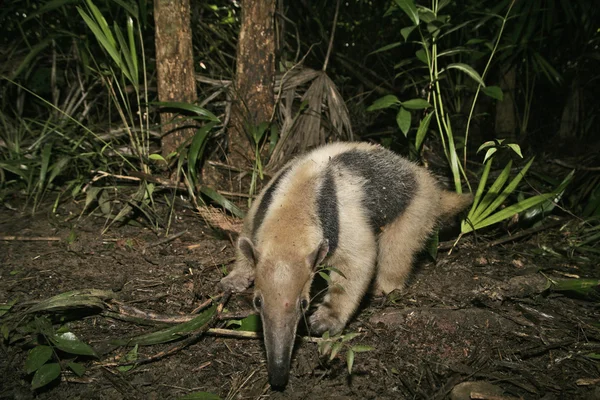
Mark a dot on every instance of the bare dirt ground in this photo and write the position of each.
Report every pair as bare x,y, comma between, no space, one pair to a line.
481,314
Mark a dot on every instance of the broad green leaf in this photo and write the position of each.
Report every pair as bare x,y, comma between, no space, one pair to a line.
222,201
132,355
77,368
416,104
467,69
408,6
489,153
403,120
350,360
37,357
197,148
172,333
489,143
422,56
44,375
337,271
516,148
70,344
494,92
201,112
406,31
422,131
384,102
200,396
251,323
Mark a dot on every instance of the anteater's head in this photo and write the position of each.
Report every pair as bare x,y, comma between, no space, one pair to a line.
282,295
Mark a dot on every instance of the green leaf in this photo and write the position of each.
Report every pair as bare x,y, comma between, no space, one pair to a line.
349,336
46,374
384,102
77,368
408,6
337,271
492,192
70,344
200,396
422,131
222,201
157,157
251,323
403,120
37,357
487,144
325,276
489,153
335,349
516,148
128,67
481,186
132,355
172,333
467,69
416,104
350,360
197,148
406,31
361,348
494,92
422,56
182,106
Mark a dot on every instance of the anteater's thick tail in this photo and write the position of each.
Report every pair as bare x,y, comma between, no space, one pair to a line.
452,203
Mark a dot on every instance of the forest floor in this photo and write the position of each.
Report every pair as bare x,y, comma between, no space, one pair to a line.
482,314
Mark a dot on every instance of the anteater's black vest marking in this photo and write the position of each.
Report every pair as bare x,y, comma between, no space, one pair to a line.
327,210
265,202
388,187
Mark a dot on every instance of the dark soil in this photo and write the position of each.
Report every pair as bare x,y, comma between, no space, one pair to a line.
480,314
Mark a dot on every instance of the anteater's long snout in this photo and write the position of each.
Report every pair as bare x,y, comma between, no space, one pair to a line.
279,343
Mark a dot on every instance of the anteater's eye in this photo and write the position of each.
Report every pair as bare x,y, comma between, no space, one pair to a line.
257,302
304,304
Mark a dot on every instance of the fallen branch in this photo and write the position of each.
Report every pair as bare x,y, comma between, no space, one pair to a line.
30,239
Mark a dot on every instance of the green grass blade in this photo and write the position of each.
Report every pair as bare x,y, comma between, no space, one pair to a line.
506,192
222,201
102,24
102,39
467,69
492,192
481,187
127,67
133,49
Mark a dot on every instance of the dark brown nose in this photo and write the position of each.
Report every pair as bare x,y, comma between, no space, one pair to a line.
279,374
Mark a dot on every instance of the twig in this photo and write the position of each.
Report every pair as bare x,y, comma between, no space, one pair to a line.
571,166
207,303
136,314
164,240
524,233
30,239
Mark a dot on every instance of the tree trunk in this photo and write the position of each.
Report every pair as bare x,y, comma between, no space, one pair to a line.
506,122
255,78
174,66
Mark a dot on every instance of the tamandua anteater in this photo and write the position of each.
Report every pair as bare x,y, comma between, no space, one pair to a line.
355,206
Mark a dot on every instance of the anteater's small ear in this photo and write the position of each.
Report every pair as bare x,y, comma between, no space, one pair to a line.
317,256
247,248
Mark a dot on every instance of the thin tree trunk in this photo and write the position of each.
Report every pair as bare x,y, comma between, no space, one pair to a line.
174,66
255,78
